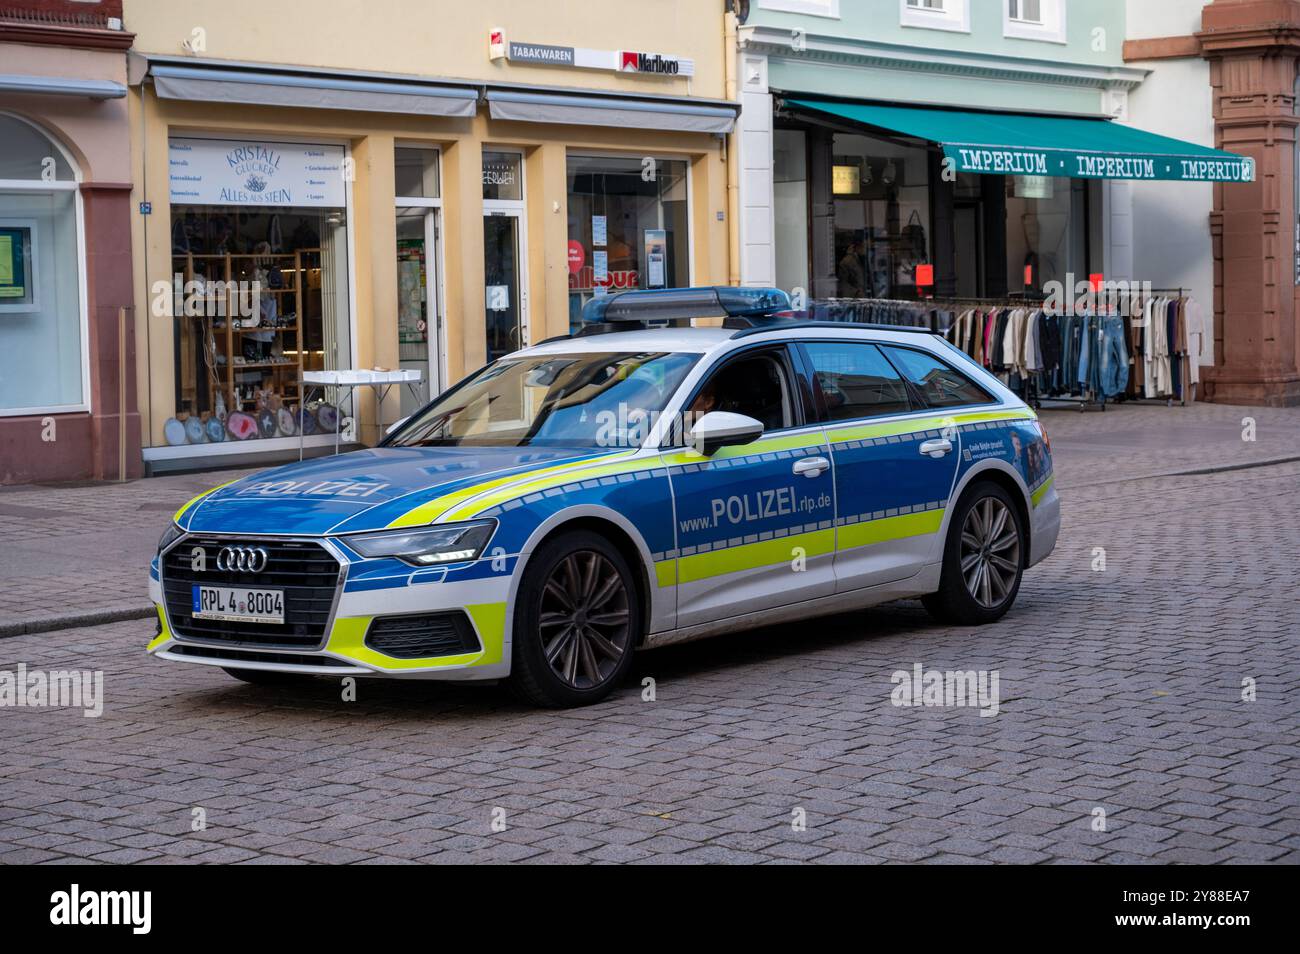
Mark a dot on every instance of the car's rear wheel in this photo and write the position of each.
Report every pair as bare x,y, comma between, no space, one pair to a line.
577,622
983,559
268,677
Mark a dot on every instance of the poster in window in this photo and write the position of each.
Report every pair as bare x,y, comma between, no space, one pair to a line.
656,257
17,282
412,326
599,230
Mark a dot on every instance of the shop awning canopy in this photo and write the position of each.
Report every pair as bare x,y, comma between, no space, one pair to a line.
1022,144
622,112
265,88
61,86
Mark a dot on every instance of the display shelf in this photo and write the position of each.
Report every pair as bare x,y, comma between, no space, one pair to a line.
203,338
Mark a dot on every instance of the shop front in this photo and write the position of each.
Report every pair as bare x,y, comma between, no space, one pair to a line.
935,202
298,221
973,167
65,295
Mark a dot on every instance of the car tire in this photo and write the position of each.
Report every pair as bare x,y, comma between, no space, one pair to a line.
577,623
981,570
268,677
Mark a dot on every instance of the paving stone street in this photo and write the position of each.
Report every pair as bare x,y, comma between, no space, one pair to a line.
1122,733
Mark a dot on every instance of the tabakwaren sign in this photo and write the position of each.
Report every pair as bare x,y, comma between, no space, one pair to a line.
618,61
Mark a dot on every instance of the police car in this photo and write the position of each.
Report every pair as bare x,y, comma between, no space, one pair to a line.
637,484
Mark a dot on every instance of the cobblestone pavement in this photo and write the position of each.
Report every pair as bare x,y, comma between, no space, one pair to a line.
75,552
1120,693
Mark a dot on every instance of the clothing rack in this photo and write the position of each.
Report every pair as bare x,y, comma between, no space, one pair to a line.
1179,292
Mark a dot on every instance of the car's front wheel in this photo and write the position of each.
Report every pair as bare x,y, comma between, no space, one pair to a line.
982,561
577,622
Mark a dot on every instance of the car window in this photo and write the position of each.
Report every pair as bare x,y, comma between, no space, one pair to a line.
939,383
756,386
856,380
560,400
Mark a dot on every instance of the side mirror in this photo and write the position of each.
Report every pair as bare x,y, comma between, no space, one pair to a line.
719,429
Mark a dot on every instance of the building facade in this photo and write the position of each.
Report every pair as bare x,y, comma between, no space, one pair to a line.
426,190
862,107
66,327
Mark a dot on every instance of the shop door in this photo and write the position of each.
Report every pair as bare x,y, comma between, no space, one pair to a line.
967,247
506,315
419,312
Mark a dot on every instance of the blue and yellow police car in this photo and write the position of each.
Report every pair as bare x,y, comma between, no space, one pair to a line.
642,482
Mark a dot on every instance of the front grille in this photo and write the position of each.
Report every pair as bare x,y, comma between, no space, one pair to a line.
306,572
285,659
417,637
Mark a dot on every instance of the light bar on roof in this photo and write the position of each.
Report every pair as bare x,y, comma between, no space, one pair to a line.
682,303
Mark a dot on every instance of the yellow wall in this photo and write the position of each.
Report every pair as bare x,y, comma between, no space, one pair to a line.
433,39
443,38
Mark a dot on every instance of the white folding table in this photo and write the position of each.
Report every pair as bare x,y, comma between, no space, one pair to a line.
381,381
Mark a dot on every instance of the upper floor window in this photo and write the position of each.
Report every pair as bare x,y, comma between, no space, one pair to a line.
951,15
1034,20
1027,11
816,8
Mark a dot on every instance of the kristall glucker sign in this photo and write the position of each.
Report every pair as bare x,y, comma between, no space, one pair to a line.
255,172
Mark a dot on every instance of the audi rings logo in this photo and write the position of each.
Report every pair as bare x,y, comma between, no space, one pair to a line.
243,559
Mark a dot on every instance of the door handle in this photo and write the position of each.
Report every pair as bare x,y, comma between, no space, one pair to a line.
811,466
936,448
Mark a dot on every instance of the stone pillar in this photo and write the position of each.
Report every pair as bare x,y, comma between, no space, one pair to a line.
821,158
1253,47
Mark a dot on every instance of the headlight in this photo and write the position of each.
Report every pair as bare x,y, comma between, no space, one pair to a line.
424,546
169,537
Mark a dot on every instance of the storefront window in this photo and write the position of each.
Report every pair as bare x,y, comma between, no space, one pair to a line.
790,207
882,216
415,173
503,253
1046,234
419,210
40,269
260,279
627,226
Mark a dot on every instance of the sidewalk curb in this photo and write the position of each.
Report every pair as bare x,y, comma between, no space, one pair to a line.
1194,472
75,620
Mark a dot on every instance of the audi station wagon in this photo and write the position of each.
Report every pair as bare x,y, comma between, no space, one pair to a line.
645,481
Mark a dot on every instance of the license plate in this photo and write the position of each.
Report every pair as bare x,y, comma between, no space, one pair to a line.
238,604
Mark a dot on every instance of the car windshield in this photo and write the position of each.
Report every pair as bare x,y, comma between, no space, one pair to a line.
566,400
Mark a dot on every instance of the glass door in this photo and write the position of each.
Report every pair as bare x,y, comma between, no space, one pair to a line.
418,318
501,260
504,252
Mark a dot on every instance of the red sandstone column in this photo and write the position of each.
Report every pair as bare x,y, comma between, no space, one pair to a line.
1253,47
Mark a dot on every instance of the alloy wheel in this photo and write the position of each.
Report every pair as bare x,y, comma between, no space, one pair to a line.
990,551
585,619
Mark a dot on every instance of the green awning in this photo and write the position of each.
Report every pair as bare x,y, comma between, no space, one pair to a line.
1020,144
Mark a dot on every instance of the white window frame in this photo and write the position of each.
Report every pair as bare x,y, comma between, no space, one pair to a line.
954,17
813,8
586,153
1051,29
436,387
517,209
63,185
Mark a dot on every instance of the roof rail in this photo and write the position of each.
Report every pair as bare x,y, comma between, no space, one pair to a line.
783,324
679,304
